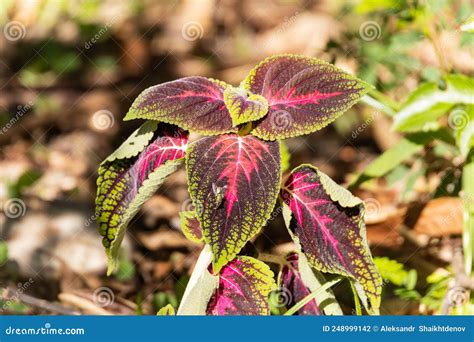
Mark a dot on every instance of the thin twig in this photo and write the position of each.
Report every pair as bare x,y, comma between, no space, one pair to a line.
9,294
85,305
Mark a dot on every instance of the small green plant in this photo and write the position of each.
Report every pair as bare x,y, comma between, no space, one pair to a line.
393,272
234,178
437,121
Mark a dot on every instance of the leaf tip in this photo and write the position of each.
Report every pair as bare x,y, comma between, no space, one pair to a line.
217,264
111,265
129,116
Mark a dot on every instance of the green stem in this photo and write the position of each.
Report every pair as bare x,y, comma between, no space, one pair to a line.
386,100
311,296
468,199
358,307
379,106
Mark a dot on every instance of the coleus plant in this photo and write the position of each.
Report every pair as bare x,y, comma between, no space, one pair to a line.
234,174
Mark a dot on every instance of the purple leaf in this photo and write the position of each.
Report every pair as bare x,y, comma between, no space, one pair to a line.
327,222
304,94
193,103
292,284
233,182
244,285
190,226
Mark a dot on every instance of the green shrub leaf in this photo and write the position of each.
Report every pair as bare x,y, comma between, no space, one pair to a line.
426,104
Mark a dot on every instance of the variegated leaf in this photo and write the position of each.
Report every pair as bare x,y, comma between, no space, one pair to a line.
190,226
244,107
292,285
193,103
327,222
233,182
127,179
304,94
244,286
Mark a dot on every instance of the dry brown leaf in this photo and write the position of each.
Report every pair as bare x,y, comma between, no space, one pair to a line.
160,207
164,239
386,233
441,217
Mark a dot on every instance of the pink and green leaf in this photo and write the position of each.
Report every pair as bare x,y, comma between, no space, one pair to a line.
244,107
244,286
233,182
192,103
131,175
190,226
327,222
304,94
292,284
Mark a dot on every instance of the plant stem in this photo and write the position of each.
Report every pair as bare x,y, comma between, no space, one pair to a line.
358,307
435,40
311,296
384,99
468,199
371,102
